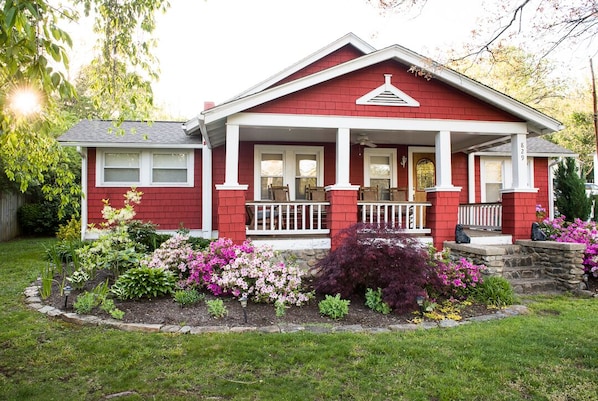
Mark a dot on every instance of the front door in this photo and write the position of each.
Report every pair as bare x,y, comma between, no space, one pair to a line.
424,176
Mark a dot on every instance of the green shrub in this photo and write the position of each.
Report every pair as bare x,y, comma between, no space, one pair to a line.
188,297
70,231
373,300
38,218
571,199
85,302
334,307
140,282
495,291
216,308
144,234
199,244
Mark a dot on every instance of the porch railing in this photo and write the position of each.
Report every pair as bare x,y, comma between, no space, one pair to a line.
487,216
408,215
282,218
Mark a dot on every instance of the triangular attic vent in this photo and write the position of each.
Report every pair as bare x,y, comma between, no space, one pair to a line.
387,95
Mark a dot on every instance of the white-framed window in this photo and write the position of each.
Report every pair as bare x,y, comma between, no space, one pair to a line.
380,169
496,173
144,167
295,166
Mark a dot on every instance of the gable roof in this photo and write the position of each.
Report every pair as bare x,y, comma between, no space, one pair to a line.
349,39
103,133
211,122
536,146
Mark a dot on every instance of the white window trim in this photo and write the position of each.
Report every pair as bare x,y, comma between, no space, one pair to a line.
145,168
288,159
391,152
507,173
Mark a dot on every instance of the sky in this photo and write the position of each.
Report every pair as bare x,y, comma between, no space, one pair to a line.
211,50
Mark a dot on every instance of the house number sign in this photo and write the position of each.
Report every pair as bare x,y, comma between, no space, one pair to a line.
522,151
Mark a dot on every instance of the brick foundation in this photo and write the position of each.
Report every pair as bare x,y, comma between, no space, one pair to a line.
231,215
442,216
518,213
342,212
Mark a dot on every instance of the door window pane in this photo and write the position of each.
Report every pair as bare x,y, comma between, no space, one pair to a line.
271,172
425,174
493,179
306,169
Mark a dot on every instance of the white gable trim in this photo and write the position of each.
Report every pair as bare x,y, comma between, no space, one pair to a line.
541,122
348,39
387,95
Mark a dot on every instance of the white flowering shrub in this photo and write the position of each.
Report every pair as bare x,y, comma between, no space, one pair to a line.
173,255
261,277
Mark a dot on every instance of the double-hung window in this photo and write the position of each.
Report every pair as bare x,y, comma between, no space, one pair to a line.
380,169
141,167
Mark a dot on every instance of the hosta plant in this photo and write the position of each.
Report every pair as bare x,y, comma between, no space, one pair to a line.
334,307
144,282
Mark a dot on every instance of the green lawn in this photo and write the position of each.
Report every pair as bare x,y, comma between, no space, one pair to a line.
551,354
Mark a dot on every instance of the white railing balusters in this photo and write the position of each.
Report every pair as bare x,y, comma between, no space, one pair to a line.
486,216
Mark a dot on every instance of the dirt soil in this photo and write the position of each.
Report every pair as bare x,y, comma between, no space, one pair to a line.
165,311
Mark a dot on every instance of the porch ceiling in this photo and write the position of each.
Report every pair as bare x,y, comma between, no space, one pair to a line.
459,140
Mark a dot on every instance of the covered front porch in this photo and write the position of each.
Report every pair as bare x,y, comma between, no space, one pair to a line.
432,208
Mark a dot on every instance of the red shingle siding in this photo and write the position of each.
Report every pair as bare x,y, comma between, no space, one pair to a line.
340,56
541,180
166,207
460,179
338,96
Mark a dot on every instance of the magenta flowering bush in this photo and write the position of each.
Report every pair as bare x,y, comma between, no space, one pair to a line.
458,279
173,254
246,270
579,232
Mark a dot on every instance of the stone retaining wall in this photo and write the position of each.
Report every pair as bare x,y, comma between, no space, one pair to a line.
306,259
561,261
487,255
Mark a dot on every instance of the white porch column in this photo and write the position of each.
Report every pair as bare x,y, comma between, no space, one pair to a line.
231,175
471,177
343,157
519,161
206,192
444,176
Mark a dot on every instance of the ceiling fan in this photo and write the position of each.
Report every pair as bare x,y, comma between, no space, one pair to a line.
364,140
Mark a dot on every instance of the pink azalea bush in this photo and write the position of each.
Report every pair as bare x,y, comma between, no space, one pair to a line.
579,232
458,278
173,254
246,270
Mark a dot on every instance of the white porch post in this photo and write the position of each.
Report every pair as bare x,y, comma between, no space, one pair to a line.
519,161
231,175
444,177
206,192
471,177
343,157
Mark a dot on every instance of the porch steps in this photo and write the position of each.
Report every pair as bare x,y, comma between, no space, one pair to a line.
524,276
485,237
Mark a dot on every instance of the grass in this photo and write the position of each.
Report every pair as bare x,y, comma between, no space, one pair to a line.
551,354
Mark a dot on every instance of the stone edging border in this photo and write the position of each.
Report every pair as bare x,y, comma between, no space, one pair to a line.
34,301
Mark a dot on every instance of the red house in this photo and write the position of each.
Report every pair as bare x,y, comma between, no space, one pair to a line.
347,134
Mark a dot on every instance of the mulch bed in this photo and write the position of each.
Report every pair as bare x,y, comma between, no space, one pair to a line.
165,311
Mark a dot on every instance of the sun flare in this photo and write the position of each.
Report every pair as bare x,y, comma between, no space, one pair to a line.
25,101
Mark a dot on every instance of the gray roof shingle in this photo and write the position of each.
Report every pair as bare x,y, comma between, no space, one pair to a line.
104,133
534,145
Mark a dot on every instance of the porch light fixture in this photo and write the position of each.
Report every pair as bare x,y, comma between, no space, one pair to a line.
420,304
67,291
403,161
243,301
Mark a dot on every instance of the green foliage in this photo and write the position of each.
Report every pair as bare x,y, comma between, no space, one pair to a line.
38,219
144,233
78,279
47,278
70,231
188,297
334,307
108,306
144,282
571,199
216,308
85,303
280,308
495,291
199,244
373,300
